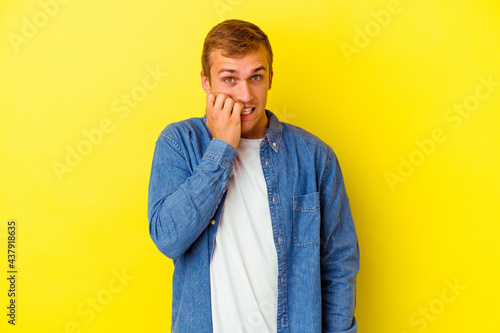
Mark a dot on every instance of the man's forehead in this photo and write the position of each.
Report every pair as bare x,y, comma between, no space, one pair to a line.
256,60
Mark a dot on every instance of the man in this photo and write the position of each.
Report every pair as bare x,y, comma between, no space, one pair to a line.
253,212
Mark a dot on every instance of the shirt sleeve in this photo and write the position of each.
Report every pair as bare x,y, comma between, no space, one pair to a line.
339,253
182,199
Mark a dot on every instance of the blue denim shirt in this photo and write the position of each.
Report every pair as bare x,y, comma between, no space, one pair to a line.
315,238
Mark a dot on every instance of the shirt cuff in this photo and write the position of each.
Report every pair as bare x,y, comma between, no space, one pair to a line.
352,329
221,152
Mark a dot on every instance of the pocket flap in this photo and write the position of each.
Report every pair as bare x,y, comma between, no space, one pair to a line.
307,202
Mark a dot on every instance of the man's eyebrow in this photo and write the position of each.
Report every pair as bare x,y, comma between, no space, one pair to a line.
229,70
259,68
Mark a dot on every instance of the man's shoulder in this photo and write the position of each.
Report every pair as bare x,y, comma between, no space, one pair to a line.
299,135
308,148
186,128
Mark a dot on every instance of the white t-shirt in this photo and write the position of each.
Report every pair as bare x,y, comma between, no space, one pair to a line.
244,265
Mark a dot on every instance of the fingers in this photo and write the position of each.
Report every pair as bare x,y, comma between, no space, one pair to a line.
215,101
228,105
237,108
221,104
224,103
210,101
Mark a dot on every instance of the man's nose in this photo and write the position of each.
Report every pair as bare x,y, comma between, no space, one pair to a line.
244,92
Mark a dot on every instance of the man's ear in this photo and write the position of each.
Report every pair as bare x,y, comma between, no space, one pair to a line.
205,83
270,80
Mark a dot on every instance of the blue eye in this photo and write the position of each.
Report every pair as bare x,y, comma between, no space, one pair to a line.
229,79
256,77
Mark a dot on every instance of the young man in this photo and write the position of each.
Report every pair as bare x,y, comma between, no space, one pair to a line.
253,212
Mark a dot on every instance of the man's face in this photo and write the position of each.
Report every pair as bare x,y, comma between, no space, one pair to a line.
246,80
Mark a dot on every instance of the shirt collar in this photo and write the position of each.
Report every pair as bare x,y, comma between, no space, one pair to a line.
274,131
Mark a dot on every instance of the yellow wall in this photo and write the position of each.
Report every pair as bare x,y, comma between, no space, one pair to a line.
406,92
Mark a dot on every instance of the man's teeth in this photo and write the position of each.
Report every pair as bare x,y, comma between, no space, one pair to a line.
247,111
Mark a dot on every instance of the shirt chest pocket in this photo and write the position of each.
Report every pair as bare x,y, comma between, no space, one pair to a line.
306,220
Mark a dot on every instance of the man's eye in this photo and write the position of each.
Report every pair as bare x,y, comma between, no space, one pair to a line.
229,79
256,77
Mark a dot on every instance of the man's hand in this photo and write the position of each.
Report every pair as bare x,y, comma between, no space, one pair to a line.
223,118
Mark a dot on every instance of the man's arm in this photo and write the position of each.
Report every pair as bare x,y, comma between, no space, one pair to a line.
181,202
339,253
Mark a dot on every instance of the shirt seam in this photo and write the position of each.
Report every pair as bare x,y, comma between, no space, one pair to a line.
328,165
174,143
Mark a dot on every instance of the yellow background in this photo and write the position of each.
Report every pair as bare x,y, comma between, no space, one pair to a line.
79,230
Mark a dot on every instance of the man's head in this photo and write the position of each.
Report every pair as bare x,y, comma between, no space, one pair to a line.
237,62
235,38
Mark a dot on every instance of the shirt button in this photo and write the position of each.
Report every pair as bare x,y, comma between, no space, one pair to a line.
274,145
273,198
279,240
265,162
281,320
282,280
212,222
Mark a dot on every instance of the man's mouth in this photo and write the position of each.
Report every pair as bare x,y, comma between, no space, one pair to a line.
247,111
